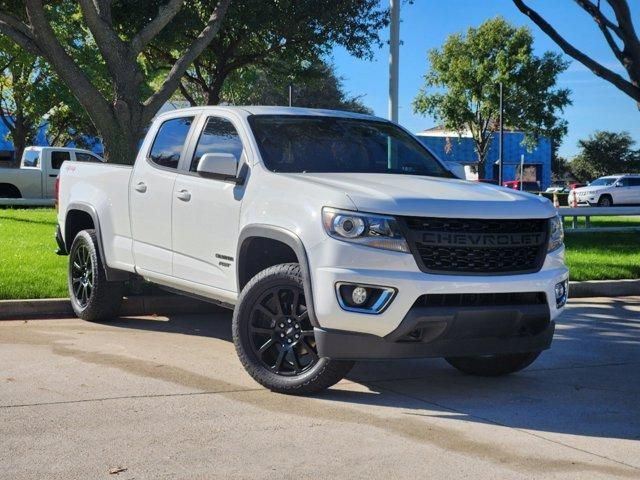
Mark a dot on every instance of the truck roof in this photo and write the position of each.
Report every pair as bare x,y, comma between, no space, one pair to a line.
269,110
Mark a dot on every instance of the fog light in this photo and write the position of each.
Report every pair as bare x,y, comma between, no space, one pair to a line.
359,295
561,293
364,298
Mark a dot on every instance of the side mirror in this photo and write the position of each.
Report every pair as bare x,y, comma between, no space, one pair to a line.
457,169
222,166
618,184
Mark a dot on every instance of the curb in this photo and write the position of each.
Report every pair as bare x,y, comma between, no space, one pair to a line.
131,306
604,288
172,304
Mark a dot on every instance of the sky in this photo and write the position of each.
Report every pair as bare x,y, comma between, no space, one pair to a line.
597,105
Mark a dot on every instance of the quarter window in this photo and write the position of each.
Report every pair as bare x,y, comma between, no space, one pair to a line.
57,158
31,158
634,182
218,136
169,141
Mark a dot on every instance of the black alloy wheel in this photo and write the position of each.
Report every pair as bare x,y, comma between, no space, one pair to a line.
274,336
281,333
82,275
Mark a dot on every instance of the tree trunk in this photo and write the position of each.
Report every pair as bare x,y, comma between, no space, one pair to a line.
21,136
215,90
121,145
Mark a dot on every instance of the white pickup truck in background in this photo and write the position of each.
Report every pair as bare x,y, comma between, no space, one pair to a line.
38,170
335,237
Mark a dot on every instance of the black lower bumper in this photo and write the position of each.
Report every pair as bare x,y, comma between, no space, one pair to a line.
447,332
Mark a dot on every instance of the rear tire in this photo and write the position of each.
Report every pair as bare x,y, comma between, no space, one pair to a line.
93,298
274,337
493,365
605,201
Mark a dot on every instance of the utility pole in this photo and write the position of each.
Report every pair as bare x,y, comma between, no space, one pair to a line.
500,141
394,59
290,94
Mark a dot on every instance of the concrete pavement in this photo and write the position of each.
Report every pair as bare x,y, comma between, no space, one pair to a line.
166,397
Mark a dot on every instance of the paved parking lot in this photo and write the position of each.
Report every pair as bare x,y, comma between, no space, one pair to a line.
160,397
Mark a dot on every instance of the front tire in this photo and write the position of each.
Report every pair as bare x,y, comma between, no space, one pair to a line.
493,365
274,337
605,201
93,298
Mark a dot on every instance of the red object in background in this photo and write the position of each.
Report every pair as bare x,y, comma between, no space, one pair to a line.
526,186
575,185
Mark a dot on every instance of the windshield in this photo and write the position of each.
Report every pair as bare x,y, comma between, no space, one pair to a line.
604,181
328,144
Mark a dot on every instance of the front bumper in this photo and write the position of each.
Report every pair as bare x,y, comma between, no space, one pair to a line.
453,331
447,332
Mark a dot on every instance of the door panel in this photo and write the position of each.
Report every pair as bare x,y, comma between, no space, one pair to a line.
206,213
151,196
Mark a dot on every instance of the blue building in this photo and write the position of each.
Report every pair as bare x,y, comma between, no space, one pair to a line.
449,146
7,150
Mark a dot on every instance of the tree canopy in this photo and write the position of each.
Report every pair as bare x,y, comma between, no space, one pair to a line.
618,31
314,85
120,103
605,153
461,87
267,33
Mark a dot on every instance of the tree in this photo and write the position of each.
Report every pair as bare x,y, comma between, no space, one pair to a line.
605,153
461,89
25,90
619,34
314,85
284,32
121,112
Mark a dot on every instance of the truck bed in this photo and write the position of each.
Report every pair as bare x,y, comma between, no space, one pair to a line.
104,189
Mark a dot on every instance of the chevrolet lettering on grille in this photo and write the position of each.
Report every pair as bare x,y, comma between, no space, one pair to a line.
481,239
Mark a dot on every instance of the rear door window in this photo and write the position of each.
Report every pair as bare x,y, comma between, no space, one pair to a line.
57,157
169,142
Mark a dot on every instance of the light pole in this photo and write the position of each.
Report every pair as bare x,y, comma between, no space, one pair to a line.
394,59
500,140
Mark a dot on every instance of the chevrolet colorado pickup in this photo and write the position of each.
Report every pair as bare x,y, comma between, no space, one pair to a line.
335,237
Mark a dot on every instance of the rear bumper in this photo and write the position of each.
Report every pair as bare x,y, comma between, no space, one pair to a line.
447,332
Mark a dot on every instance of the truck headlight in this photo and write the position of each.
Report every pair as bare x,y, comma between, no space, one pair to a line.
369,229
556,233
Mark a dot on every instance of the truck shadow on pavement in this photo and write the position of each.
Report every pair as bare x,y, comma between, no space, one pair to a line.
587,384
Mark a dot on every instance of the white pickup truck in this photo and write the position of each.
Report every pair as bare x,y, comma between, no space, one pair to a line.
335,236
38,170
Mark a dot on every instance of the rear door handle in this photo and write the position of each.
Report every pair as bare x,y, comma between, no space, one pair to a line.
141,187
184,195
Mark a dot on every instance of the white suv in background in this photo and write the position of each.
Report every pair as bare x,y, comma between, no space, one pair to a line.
621,189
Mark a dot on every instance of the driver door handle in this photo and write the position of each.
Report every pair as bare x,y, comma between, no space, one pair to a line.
141,187
184,195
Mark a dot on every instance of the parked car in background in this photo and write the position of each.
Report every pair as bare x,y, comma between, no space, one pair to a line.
38,170
336,237
557,187
621,189
526,186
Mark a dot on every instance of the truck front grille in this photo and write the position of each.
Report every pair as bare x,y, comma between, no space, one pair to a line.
477,246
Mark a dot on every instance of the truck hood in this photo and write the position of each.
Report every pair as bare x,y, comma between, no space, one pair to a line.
426,196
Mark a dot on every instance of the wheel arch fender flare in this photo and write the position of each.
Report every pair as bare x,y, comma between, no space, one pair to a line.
288,238
110,273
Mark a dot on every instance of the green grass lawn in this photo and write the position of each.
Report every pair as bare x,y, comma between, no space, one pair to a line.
29,268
